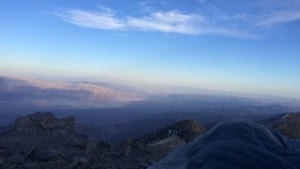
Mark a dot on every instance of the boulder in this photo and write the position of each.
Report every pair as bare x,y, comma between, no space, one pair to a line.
1,160
45,154
45,122
41,140
17,159
78,161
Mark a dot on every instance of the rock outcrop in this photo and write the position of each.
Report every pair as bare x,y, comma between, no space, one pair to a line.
41,140
147,150
186,130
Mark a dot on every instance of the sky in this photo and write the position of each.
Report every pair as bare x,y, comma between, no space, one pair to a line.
233,45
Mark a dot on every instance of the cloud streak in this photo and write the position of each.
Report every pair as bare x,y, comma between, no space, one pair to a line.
172,21
104,19
280,18
215,18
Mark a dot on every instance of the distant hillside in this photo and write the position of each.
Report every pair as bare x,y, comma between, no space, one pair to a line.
288,124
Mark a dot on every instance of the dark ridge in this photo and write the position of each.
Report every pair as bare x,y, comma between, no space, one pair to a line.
185,129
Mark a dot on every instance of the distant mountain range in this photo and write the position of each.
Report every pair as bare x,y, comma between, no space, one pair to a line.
119,112
137,118
34,94
25,95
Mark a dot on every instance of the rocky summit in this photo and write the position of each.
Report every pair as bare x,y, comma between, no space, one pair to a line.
41,140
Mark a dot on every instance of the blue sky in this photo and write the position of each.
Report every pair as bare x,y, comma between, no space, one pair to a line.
233,45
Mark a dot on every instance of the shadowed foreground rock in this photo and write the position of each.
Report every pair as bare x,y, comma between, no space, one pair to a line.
185,130
149,149
235,145
41,140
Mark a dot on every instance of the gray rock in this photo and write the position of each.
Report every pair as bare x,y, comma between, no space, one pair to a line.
41,140
59,164
76,142
78,161
31,165
13,166
44,154
45,122
30,151
1,160
90,147
17,158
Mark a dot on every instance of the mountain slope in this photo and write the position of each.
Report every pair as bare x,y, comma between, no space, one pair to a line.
288,124
41,140
186,130
152,147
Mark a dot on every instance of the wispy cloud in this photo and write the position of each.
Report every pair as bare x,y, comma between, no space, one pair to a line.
103,19
213,17
172,21
252,15
279,18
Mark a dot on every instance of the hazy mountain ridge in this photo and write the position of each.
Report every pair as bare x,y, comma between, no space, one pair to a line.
141,117
32,94
141,114
45,94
